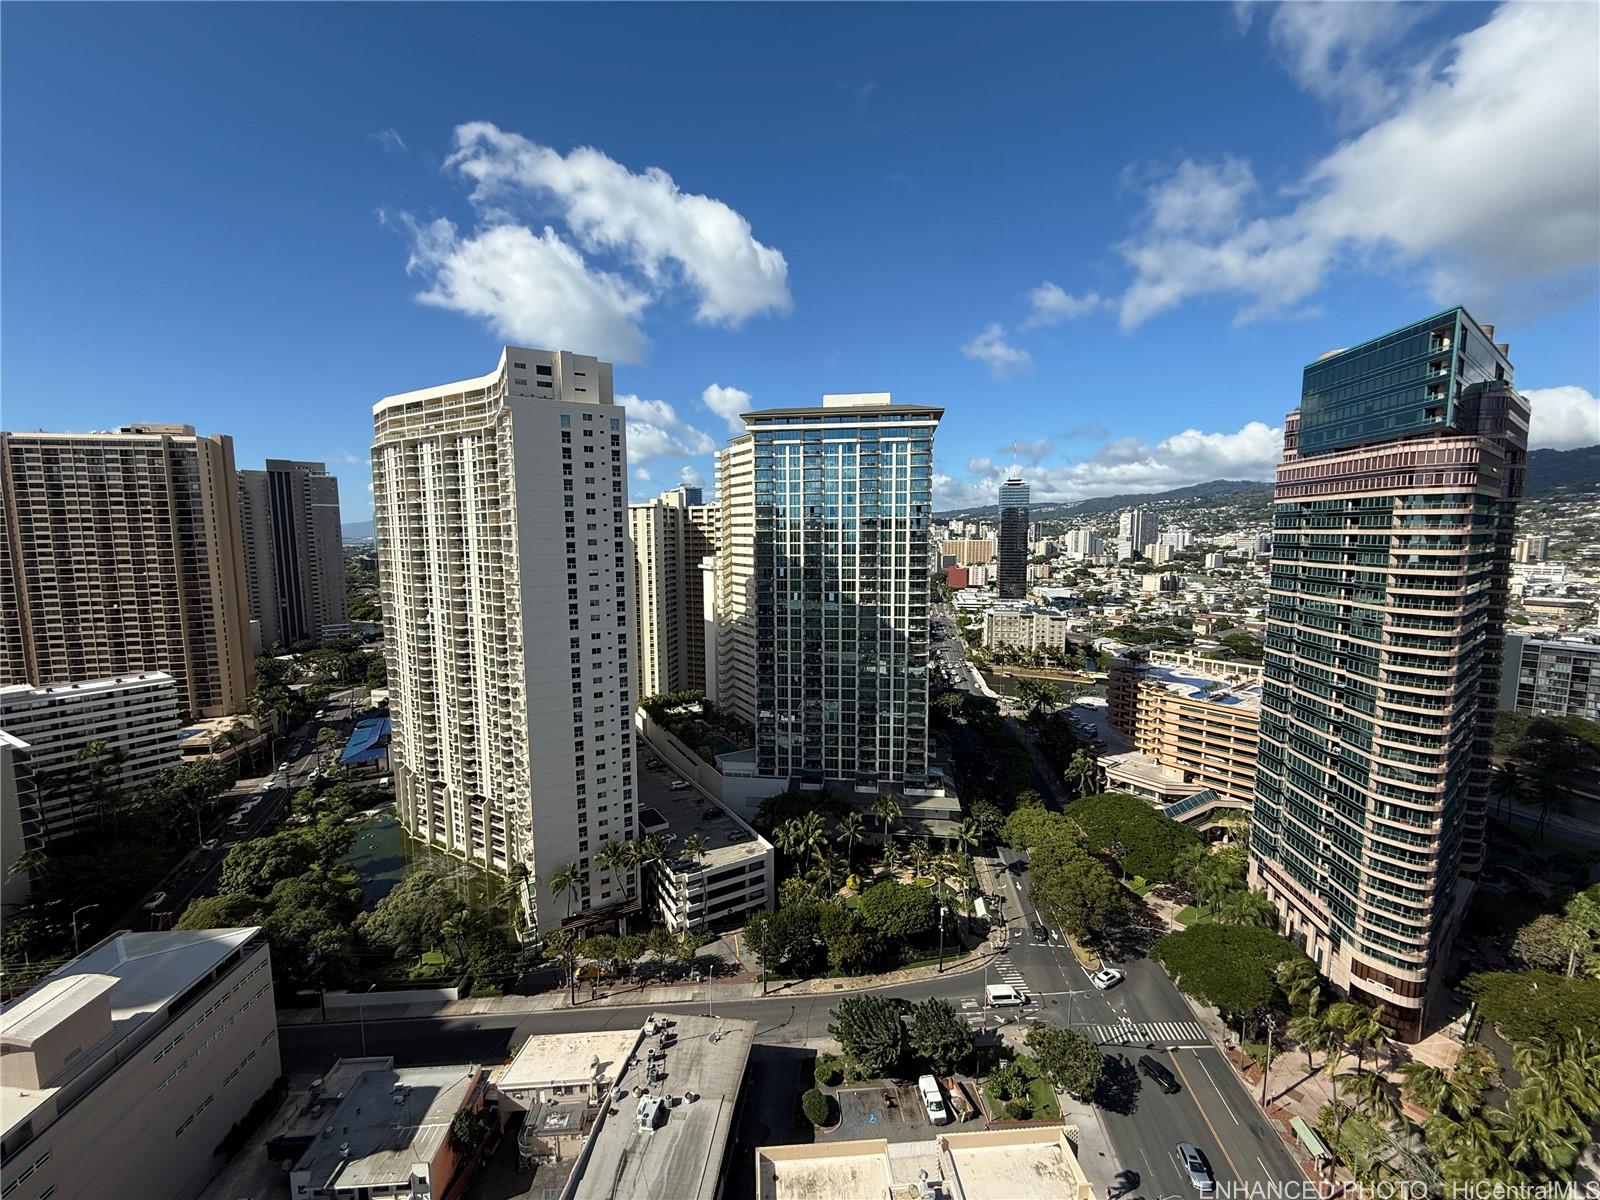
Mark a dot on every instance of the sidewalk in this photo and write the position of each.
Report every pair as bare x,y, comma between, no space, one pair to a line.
638,996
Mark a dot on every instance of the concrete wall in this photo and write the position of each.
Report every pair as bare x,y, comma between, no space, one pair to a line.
739,794
343,1000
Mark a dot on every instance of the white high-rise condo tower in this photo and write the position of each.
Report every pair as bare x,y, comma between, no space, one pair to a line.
500,505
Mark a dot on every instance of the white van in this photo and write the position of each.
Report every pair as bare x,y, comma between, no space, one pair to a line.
933,1100
1003,995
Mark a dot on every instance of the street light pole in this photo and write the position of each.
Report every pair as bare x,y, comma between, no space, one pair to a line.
75,913
1272,1025
942,911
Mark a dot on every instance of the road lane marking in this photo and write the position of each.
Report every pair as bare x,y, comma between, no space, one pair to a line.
1214,1084
1188,1089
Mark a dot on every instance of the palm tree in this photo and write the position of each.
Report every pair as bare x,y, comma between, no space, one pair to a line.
696,848
562,945
617,858
1580,928
1040,696
1301,983
1373,1094
851,828
920,856
1430,1088
1536,1137
812,837
967,837
1246,908
887,809
1361,1029
564,881
1506,782
1083,772
1311,1032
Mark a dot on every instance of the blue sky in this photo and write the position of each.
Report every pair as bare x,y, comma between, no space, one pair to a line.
1112,235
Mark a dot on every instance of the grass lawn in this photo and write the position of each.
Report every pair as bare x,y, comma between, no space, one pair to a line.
1043,1100
1194,914
1140,886
950,956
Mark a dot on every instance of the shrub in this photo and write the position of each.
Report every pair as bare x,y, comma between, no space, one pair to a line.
829,1070
818,1107
1018,1110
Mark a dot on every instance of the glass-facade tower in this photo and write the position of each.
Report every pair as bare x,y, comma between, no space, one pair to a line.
1393,515
1011,550
843,499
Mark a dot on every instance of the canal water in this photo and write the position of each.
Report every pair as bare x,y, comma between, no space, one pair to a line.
383,855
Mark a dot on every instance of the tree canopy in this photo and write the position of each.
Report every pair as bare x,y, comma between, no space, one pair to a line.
1069,1060
937,1036
900,912
869,1031
1151,842
1529,1005
1231,967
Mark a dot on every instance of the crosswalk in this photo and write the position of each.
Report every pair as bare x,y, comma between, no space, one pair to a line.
1009,974
1154,1033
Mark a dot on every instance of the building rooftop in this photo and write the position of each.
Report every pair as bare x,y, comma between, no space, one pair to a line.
681,1157
687,812
86,687
390,1120
549,1059
1198,686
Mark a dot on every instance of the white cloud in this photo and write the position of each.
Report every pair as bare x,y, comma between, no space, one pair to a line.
1052,305
1128,465
391,141
642,475
727,403
1562,418
690,477
1351,56
991,348
1473,178
531,288
655,430
643,218
1033,453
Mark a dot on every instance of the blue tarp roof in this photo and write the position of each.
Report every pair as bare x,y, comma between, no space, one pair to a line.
369,741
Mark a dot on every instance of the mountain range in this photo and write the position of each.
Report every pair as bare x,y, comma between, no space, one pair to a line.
1548,470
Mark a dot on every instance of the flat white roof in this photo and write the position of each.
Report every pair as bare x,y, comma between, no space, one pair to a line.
547,1059
86,687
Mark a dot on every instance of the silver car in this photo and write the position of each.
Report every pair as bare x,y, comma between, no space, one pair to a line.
1194,1162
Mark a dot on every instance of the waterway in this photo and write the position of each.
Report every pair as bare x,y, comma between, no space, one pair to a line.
383,855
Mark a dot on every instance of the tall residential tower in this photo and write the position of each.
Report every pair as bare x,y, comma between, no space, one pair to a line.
1393,515
499,505
121,553
294,552
671,537
1011,550
841,503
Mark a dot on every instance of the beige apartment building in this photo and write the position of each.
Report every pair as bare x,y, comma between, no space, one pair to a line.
121,553
1195,736
969,552
294,552
1025,627
671,537
729,590
500,507
122,1071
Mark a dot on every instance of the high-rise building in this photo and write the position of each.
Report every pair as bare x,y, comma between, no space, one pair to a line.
1083,543
671,537
121,553
1393,514
293,552
1136,529
1534,548
842,504
127,726
1178,538
499,505
730,588
1011,547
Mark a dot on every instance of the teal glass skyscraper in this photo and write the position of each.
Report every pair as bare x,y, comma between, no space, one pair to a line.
1393,514
843,496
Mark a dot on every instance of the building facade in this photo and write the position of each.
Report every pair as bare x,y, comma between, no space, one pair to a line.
133,719
730,588
1083,543
1551,677
124,1069
1025,627
968,552
122,553
1011,547
499,506
293,552
1393,512
843,500
1136,529
671,537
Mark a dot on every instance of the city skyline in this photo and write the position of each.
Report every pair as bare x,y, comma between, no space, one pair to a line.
1116,373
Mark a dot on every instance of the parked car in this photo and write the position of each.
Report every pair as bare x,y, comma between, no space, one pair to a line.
1107,979
155,902
1194,1162
933,1100
678,785
653,764
1158,1075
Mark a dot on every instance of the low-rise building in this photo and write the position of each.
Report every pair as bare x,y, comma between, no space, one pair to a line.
1018,1164
666,1130
734,876
133,718
1551,677
565,1068
390,1135
1192,733
1025,627
122,1071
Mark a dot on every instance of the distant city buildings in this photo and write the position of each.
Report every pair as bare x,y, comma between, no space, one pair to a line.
1534,548
1083,543
121,553
293,553
125,728
1551,677
1011,549
125,1069
1393,510
1136,529
671,537
499,504
968,552
1025,627
836,527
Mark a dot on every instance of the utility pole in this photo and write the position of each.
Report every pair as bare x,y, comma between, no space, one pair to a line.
1272,1026
942,911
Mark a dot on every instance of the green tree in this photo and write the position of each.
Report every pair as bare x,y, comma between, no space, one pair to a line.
851,829
565,881
818,1107
467,1131
788,939
1075,891
937,1036
1068,1060
1231,967
887,809
1039,696
253,867
230,910
1151,842
869,1030
1529,1005
900,912
853,945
